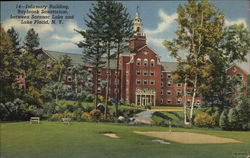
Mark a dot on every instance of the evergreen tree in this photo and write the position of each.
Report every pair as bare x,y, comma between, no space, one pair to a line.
31,40
15,40
122,31
9,68
224,124
108,25
93,51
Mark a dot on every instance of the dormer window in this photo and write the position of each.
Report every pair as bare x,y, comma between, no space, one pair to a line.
145,62
138,62
145,52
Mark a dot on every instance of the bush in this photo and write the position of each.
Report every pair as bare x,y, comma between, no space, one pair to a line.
90,98
224,124
233,119
204,120
56,117
96,115
86,116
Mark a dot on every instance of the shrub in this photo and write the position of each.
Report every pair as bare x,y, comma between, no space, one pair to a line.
204,120
233,119
224,124
86,116
96,115
69,114
90,98
56,117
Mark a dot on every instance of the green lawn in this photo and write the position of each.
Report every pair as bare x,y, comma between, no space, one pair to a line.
83,140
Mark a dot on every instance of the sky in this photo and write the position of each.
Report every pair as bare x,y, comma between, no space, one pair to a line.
158,19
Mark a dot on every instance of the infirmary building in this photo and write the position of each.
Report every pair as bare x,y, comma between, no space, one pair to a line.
143,79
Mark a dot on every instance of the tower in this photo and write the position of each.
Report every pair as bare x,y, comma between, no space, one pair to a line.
138,39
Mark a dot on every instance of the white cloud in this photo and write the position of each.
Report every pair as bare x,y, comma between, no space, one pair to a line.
25,27
62,46
167,20
238,21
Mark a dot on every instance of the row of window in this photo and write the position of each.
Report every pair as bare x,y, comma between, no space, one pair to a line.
145,73
145,62
178,101
145,82
168,75
169,84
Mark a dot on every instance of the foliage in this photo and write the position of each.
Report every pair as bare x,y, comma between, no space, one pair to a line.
96,115
90,98
18,110
9,68
204,120
14,36
86,116
233,119
224,124
31,40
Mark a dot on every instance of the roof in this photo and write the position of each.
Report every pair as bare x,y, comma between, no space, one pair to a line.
169,66
76,58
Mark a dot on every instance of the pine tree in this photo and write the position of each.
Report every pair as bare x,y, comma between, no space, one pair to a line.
15,40
31,40
9,68
108,24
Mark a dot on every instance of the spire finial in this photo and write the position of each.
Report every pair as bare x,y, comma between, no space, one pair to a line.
137,9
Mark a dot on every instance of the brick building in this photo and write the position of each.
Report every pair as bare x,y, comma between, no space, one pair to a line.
144,79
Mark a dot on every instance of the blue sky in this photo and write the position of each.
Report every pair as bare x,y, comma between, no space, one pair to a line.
157,16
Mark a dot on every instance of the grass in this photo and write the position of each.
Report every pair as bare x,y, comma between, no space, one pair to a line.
83,140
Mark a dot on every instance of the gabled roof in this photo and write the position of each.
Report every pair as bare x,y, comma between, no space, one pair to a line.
76,58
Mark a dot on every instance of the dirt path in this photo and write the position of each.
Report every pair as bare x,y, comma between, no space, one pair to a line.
166,110
189,138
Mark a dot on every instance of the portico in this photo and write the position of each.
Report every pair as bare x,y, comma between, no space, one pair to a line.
145,97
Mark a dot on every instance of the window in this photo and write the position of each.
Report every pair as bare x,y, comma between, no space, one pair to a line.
69,79
48,67
138,62
152,82
99,71
152,63
138,81
138,72
179,101
179,84
197,102
145,82
189,92
169,75
169,92
240,76
234,69
145,52
152,73
90,70
145,62
189,101
127,81
169,83
169,101
145,72
179,92
127,73
161,91
161,83
126,90
161,76
69,69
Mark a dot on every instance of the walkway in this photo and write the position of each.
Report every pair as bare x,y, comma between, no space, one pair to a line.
144,117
